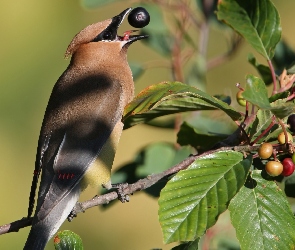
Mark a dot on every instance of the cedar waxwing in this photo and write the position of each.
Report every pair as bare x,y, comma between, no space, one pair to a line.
82,125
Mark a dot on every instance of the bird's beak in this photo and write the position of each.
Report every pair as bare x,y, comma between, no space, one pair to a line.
127,38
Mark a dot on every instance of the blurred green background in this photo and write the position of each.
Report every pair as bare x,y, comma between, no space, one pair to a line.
34,37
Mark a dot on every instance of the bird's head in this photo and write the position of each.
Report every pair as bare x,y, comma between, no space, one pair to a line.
106,32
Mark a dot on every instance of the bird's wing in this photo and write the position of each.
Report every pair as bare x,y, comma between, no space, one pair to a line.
73,152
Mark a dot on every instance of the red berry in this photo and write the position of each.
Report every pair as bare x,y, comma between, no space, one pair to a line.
288,167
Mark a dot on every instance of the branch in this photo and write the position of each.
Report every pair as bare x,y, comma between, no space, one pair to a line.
131,188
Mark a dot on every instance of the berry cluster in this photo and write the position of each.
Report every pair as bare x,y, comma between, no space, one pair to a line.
274,168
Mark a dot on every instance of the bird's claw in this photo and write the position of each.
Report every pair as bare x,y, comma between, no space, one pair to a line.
73,213
120,191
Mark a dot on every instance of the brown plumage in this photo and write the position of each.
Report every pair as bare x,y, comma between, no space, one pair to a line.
81,126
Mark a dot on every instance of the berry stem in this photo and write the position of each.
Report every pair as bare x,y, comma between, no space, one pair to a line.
273,122
273,75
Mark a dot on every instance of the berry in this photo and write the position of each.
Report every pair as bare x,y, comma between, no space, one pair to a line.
274,168
265,150
291,122
139,17
288,167
281,137
240,98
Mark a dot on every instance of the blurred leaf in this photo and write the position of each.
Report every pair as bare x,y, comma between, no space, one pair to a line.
169,98
251,19
256,92
96,3
157,23
228,244
67,240
137,70
160,38
163,123
284,56
263,70
224,98
196,75
154,158
290,186
193,199
191,245
160,42
201,140
261,209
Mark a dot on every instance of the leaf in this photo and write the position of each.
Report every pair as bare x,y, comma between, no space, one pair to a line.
290,186
201,140
284,56
196,75
281,108
256,92
192,245
263,70
170,98
67,240
261,210
154,158
257,21
262,121
193,199
160,38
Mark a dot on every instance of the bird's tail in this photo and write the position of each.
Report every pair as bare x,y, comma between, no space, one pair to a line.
43,230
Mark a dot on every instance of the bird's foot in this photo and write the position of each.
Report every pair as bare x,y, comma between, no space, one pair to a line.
73,213
120,191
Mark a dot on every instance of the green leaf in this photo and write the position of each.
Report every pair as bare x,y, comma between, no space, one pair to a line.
256,92
196,75
201,140
257,21
193,199
262,121
281,108
160,38
290,186
284,56
261,210
263,70
277,96
191,245
170,98
154,158
67,240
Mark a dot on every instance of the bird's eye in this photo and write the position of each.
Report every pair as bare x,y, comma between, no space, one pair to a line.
107,35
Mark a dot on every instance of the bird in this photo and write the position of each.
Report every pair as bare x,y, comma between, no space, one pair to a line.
81,126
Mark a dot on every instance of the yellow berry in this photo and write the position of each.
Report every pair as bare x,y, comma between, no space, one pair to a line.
281,138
